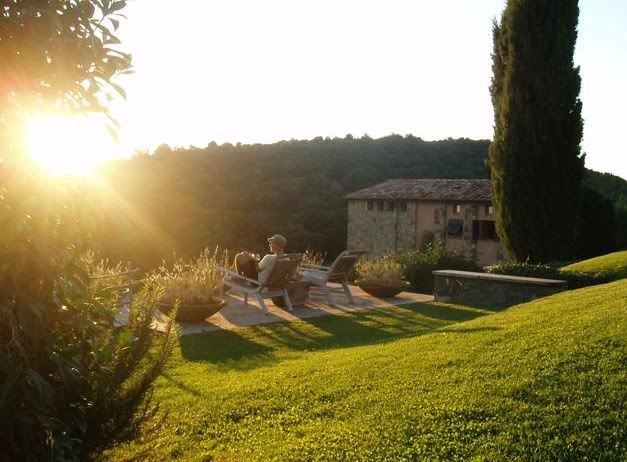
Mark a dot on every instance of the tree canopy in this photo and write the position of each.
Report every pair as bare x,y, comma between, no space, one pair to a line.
237,196
57,56
535,160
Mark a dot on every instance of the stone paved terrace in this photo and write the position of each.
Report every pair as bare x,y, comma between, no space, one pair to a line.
235,314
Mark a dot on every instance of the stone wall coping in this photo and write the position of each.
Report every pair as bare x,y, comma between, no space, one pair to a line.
500,277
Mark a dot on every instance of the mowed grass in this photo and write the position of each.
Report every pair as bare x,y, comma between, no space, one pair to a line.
613,265
542,381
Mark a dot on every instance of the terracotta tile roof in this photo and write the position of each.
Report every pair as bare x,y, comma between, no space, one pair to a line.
428,189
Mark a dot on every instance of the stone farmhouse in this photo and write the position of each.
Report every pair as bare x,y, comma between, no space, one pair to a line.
401,214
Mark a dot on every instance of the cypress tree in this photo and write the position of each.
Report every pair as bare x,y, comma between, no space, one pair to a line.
534,158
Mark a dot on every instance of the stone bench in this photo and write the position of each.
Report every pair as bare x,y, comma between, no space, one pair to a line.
491,290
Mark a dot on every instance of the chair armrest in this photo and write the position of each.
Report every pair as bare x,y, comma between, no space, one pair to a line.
227,272
314,267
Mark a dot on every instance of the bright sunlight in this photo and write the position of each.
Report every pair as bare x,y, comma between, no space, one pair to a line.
69,145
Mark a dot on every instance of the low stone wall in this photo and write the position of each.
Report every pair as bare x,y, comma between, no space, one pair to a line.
491,290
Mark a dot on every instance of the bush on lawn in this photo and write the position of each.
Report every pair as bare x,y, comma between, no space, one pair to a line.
69,376
418,265
575,279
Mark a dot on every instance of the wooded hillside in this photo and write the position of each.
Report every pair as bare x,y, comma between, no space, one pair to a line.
235,196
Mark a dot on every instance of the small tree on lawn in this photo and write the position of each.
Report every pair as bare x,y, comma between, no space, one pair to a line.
535,160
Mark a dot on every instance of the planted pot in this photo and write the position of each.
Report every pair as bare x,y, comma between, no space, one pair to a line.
383,290
193,312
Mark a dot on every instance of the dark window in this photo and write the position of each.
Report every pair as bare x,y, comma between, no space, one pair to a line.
402,206
370,205
389,206
457,209
436,217
489,210
483,230
380,206
455,228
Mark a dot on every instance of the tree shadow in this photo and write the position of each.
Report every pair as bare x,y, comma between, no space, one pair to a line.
458,313
261,345
181,385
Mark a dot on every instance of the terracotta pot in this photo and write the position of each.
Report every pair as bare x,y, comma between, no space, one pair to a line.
193,312
379,290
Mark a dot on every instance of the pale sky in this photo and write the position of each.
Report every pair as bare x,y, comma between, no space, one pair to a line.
252,71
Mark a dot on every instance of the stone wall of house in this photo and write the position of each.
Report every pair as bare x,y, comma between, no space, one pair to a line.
440,221
484,252
381,231
470,213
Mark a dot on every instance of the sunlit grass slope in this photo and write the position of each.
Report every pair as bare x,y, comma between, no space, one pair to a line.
542,381
613,265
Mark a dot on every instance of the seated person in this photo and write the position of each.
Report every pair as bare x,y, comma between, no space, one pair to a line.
247,265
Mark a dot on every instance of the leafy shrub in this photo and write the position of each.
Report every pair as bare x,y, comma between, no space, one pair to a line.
575,279
131,357
418,265
429,239
70,376
385,271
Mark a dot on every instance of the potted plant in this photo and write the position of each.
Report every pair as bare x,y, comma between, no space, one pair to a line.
195,285
380,277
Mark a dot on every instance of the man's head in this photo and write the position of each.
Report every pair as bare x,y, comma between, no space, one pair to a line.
277,243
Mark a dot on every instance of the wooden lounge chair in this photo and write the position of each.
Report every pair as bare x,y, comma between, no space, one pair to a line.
338,272
275,286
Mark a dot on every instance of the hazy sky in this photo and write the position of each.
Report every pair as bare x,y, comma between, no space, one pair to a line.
254,71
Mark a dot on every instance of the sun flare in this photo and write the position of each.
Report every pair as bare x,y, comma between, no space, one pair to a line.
69,145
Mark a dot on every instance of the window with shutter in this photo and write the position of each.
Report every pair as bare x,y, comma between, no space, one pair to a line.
455,228
484,230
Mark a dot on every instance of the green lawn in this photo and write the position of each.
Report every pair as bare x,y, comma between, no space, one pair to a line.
613,265
542,381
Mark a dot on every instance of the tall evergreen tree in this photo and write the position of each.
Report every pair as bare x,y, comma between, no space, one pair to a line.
535,159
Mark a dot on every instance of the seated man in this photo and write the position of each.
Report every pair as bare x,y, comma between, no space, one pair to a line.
249,266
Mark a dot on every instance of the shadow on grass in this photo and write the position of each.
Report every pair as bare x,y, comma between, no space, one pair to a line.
263,344
181,385
221,346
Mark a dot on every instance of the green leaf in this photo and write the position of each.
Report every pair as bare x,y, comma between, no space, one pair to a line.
104,29
117,6
112,40
125,336
113,133
112,120
119,89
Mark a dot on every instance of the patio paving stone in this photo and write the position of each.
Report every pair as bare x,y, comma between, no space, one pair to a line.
235,314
